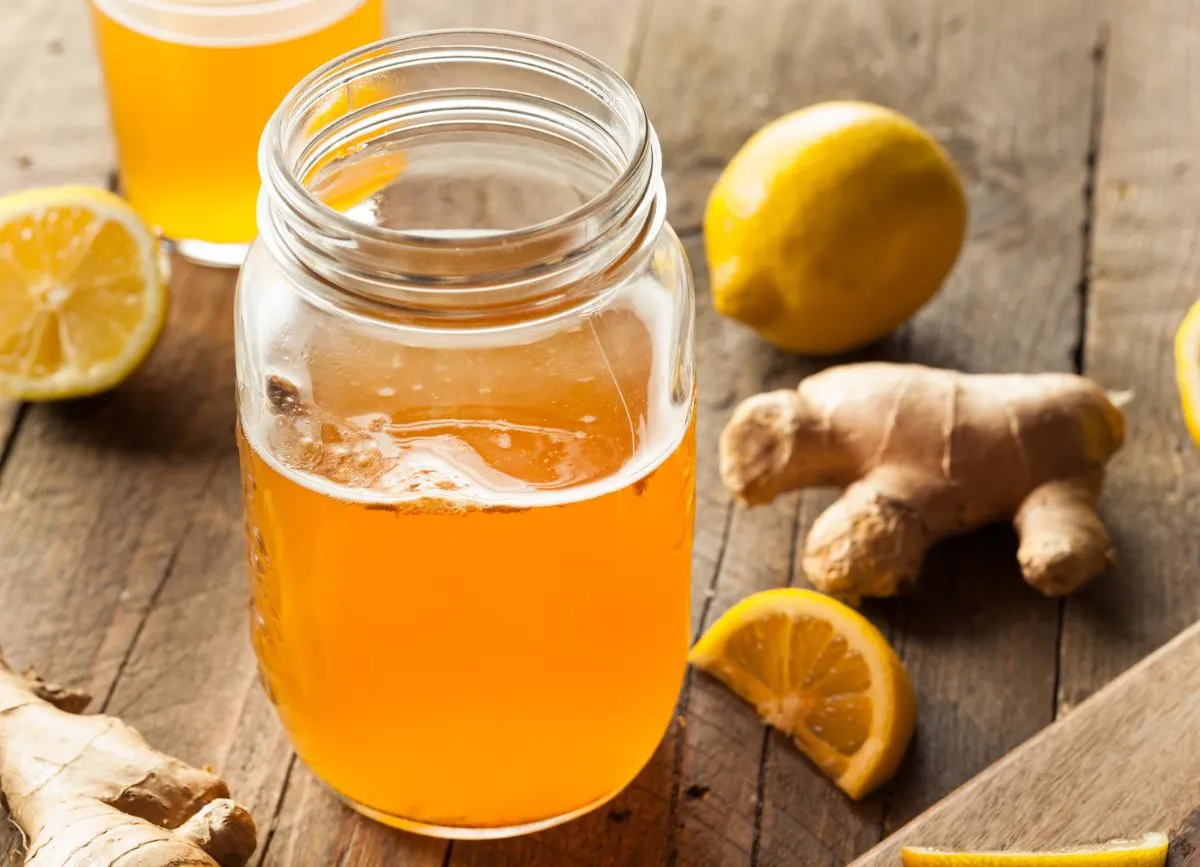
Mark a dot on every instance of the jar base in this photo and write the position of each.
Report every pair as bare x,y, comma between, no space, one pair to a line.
453,832
209,254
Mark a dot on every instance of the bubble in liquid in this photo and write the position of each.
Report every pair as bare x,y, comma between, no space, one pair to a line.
386,392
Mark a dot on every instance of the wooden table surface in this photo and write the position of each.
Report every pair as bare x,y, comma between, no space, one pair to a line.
1077,126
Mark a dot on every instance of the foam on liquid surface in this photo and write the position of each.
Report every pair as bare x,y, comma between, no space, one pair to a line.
569,417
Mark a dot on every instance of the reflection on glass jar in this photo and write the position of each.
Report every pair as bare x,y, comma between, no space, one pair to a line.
466,399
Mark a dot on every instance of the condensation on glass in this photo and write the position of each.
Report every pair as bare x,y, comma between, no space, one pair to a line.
466,404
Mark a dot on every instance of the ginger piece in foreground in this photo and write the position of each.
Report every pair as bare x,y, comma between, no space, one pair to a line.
924,454
88,790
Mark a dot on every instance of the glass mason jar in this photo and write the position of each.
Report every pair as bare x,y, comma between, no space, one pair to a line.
466,403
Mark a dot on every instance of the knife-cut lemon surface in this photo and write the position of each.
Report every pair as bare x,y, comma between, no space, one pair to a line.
83,295
1149,851
1187,367
821,672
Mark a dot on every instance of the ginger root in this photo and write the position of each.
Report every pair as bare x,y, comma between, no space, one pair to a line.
88,790
924,454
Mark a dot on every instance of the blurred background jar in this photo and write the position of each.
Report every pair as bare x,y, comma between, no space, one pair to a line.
466,397
192,83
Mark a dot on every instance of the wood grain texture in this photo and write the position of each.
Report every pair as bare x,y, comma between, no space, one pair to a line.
313,827
980,644
982,650
721,738
53,122
107,512
608,29
53,116
1126,762
1145,274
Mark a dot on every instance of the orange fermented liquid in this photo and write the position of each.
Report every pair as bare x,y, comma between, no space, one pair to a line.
470,666
188,111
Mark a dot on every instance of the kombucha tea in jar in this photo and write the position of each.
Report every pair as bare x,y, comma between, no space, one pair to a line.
466,420
192,83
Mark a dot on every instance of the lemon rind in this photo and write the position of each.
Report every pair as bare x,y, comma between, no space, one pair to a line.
889,684
1187,367
1152,844
70,382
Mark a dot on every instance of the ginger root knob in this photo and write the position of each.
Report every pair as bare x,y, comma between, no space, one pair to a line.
924,454
88,789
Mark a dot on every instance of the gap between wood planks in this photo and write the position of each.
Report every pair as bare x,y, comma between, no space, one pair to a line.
1095,132
760,786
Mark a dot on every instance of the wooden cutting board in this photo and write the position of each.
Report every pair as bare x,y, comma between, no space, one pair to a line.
1125,762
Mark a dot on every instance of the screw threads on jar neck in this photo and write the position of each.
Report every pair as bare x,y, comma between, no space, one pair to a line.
461,173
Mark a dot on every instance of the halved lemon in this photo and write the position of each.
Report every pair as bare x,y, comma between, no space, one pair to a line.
821,672
1187,369
83,292
1149,851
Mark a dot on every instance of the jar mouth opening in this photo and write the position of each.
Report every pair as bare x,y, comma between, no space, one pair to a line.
334,112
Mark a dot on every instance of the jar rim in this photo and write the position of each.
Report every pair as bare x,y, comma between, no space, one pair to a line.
274,165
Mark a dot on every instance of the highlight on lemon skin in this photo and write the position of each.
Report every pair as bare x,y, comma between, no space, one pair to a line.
83,294
832,226
819,671
1147,851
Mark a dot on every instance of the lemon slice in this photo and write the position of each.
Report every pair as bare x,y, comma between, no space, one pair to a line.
83,294
1149,851
1187,368
821,672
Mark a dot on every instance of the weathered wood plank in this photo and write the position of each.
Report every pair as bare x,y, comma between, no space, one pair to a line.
1021,139
1010,94
733,91
1139,740
314,828
53,120
608,29
53,127
1145,272
99,504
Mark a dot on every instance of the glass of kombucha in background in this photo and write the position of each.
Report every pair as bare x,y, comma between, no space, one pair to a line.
192,83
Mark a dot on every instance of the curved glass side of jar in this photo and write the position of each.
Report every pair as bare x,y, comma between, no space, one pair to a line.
470,538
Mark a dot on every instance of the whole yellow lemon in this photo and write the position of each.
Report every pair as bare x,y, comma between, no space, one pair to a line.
832,226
